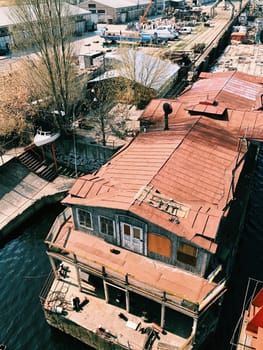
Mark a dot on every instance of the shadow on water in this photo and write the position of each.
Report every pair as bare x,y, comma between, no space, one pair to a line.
248,263
24,267
45,216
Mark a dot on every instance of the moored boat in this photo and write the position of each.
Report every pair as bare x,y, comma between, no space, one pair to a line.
149,252
44,137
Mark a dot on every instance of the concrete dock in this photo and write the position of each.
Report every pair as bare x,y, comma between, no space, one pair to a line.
23,193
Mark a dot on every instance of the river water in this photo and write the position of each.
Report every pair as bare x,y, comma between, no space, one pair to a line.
24,267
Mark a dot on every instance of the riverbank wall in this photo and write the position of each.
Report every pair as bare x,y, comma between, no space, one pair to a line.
81,151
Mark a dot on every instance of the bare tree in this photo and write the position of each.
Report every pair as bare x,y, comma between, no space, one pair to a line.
15,104
144,75
48,26
102,97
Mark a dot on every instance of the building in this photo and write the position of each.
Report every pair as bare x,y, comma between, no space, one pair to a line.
123,11
147,242
10,25
148,71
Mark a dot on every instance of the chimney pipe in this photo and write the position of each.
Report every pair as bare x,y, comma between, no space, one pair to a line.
167,110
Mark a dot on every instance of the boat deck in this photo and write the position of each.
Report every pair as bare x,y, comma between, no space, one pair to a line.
96,315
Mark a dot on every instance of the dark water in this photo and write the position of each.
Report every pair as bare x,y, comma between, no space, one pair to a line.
248,263
24,266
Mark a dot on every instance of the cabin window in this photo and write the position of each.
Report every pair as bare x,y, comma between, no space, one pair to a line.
106,226
127,229
137,232
92,6
187,254
101,11
84,218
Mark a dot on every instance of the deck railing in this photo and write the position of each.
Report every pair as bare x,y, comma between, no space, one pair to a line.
61,219
46,287
153,292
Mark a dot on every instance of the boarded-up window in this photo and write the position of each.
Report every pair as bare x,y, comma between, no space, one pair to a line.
187,254
159,245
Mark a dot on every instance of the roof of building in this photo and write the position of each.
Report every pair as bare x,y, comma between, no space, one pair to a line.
233,89
177,179
8,14
118,3
240,122
180,178
148,70
233,97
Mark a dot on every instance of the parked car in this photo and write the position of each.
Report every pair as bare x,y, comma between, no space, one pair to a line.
185,30
164,32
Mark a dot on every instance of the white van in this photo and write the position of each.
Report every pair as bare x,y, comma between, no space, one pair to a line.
185,30
164,32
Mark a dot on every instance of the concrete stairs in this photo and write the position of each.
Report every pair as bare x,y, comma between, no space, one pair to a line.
44,168
33,160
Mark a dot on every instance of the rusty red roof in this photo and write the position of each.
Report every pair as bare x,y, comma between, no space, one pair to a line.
187,168
180,178
233,89
231,97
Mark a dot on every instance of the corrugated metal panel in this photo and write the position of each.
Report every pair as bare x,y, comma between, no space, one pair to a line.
77,187
8,15
122,3
234,90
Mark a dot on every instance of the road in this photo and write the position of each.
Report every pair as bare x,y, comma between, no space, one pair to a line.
88,42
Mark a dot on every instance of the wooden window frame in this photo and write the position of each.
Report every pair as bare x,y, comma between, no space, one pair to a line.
79,221
186,257
113,226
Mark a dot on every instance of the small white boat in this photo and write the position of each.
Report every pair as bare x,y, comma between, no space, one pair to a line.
44,137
